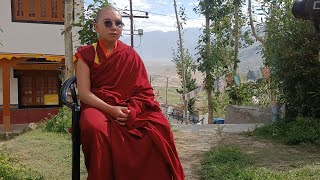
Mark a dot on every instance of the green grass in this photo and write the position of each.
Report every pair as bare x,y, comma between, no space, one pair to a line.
10,169
222,163
46,152
173,95
229,162
286,150
41,154
297,131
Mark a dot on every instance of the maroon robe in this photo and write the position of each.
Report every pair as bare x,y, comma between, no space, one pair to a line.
142,149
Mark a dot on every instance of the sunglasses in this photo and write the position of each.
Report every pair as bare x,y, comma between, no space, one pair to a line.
109,23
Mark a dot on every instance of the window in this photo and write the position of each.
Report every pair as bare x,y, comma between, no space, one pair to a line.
37,87
41,11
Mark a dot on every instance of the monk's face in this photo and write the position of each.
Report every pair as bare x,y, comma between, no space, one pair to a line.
109,25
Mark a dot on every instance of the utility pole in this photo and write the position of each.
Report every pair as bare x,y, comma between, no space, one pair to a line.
131,23
185,101
68,13
131,16
167,91
151,79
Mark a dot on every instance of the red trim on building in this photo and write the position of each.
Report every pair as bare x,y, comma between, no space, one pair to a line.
23,116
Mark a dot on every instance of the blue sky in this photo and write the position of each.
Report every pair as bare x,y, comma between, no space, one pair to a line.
161,14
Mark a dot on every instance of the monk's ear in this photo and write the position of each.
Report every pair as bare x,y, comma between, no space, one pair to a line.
95,27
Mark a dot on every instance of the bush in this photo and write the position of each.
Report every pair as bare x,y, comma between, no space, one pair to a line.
297,131
220,103
291,51
303,130
9,171
60,122
242,94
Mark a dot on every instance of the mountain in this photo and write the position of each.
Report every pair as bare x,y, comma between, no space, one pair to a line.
157,45
155,48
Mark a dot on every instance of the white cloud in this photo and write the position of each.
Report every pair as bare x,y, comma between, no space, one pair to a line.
161,16
194,3
163,2
137,4
195,23
162,23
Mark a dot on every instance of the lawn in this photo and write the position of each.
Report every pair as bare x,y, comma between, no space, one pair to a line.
45,152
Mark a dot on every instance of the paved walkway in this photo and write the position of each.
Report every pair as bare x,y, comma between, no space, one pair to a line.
15,128
233,128
227,128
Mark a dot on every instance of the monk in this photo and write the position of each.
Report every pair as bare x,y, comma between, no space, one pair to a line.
124,134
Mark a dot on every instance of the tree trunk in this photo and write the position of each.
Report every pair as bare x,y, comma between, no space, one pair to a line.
252,25
208,74
236,36
68,39
185,102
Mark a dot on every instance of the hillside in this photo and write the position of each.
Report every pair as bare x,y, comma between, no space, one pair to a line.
155,48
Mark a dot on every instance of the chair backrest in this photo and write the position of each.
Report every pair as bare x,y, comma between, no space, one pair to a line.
68,93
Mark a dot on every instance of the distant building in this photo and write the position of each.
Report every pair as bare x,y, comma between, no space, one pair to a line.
31,59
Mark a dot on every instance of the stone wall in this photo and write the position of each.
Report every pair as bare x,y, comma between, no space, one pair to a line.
244,114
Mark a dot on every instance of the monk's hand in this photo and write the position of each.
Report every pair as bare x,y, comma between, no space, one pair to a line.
120,114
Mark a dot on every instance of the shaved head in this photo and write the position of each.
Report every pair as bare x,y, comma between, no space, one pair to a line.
107,8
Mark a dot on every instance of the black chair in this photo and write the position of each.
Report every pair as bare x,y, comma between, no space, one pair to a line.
69,88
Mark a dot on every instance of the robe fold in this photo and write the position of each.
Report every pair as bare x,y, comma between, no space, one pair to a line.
142,149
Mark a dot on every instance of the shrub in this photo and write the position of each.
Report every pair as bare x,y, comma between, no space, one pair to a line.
60,122
303,130
10,171
297,131
242,94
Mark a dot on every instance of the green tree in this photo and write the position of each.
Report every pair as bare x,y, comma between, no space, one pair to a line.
291,50
206,63
190,68
87,35
185,63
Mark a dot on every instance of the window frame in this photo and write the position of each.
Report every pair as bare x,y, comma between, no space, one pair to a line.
37,19
34,75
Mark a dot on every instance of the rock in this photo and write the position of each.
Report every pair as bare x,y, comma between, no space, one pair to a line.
245,114
205,116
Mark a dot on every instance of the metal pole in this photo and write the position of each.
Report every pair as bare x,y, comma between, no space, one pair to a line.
131,23
167,92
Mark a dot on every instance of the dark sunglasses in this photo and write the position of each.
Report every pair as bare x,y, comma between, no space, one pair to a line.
108,24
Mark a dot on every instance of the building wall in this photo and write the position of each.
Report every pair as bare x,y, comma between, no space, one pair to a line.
18,37
13,89
24,116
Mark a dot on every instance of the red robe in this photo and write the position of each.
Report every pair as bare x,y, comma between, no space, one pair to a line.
144,148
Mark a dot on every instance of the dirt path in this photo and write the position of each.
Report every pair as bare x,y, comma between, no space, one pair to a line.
191,146
193,142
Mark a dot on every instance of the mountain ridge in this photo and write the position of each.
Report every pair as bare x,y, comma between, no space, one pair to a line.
156,47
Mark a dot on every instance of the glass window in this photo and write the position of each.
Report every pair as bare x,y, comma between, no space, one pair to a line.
39,11
35,85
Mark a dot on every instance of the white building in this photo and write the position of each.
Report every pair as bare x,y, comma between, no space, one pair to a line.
31,57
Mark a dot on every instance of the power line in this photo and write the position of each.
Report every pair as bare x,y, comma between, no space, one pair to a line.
131,16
